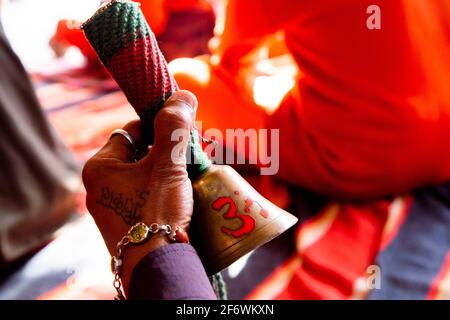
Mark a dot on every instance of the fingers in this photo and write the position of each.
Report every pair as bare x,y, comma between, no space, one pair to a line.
119,148
173,124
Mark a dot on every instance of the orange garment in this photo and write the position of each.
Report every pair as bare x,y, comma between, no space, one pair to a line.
370,114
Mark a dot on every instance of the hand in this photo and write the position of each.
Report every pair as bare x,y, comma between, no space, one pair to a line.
121,192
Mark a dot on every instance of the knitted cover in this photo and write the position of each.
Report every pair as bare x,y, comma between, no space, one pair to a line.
127,47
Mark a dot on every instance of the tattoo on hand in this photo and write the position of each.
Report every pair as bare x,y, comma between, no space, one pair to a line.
125,207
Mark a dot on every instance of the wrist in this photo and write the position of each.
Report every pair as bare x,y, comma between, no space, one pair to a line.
140,240
135,254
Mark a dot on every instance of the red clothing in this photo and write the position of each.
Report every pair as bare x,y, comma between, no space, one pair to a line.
157,12
371,113
68,32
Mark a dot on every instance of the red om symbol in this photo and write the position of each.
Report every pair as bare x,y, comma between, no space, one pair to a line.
248,223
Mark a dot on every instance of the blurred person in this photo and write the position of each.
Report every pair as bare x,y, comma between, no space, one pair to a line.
39,177
67,34
369,112
183,29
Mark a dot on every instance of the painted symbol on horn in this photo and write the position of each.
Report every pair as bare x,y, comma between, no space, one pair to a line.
247,222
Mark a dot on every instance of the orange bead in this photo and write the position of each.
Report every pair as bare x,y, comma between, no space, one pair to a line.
181,236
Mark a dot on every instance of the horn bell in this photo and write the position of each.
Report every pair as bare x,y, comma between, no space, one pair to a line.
231,218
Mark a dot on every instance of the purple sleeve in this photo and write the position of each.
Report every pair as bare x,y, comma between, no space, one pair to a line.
172,272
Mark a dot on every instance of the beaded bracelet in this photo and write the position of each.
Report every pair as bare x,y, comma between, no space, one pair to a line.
138,234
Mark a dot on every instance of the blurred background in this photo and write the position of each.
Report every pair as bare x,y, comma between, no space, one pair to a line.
370,187
29,25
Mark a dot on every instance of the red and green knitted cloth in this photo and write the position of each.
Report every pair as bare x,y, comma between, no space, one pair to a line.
128,48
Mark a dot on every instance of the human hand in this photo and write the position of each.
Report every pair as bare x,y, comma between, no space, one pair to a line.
156,188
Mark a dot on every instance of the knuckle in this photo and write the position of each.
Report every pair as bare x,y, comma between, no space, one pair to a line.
133,127
133,123
89,172
174,115
169,175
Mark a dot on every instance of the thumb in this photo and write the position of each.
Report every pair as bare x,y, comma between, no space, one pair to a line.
173,124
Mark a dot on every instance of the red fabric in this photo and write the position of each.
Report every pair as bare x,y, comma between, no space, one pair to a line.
157,12
331,266
334,251
371,114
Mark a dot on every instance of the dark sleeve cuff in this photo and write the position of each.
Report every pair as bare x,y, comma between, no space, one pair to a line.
172,272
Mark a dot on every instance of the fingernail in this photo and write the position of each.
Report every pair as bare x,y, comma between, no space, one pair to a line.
185,97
